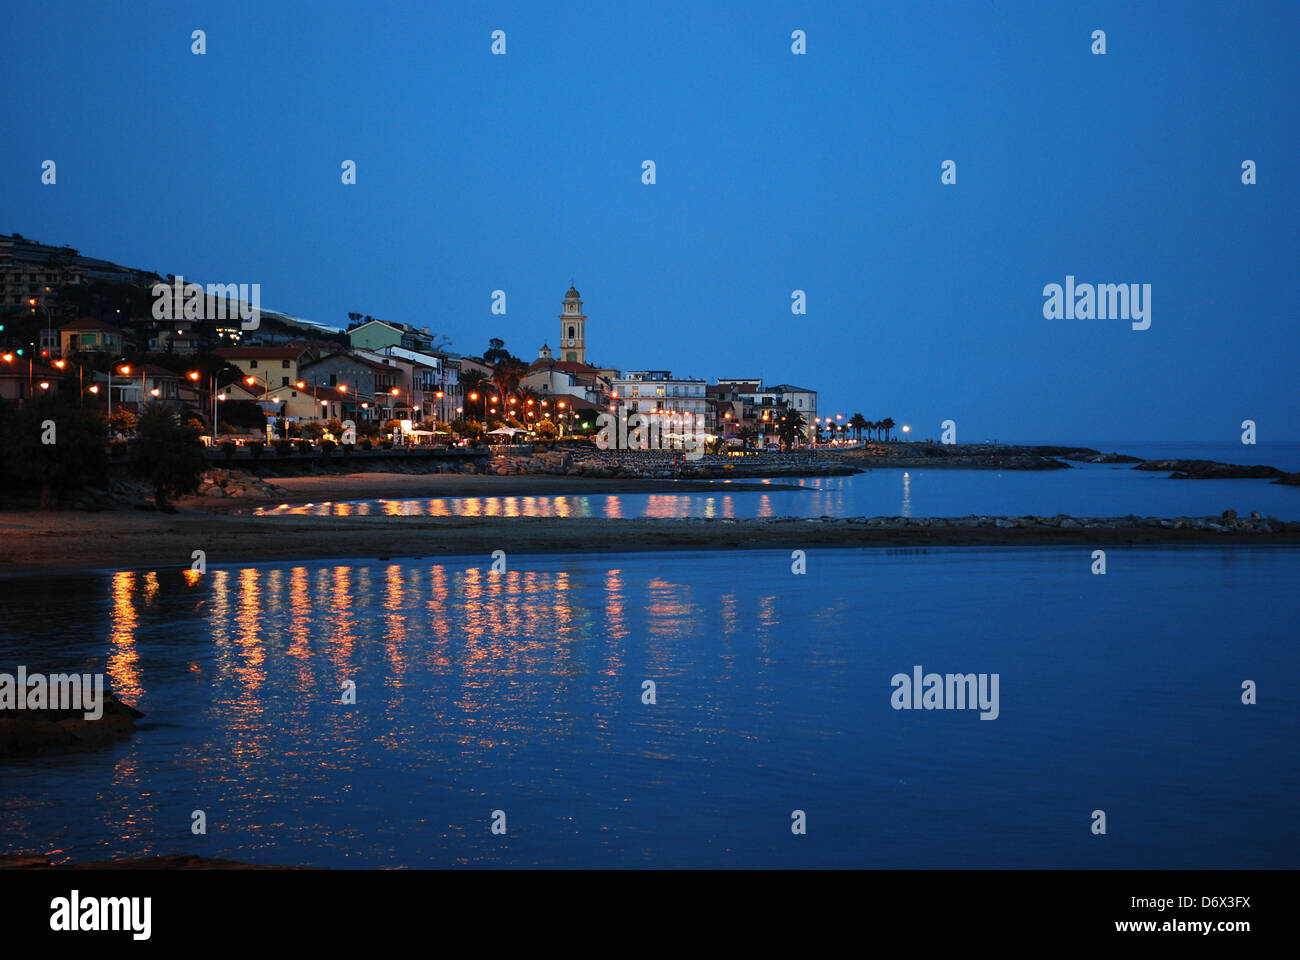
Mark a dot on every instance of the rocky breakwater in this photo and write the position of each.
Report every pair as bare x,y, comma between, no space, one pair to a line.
975,456
1226,523
237,483
557,462
1214,470
26,732
665,465
1226,529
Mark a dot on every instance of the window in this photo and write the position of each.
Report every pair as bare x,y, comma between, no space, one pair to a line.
284,381
252,364
571,333
284,364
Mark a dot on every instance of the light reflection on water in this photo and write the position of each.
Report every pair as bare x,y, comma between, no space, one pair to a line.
522,691
1086,490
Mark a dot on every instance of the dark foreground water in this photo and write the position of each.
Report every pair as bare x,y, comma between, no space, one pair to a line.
522,692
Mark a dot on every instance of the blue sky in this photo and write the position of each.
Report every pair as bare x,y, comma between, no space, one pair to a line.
775,172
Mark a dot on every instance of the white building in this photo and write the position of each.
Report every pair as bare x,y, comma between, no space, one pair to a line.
652,391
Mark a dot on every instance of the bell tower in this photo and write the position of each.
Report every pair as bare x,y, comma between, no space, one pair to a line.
573,328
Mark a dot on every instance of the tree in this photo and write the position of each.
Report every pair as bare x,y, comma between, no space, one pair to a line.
244,413
887,424
858,422
496,352
52,444
547,430
506,376
791,428
746,434
168,454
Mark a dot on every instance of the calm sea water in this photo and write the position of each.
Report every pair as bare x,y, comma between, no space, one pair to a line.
1088,490
522,692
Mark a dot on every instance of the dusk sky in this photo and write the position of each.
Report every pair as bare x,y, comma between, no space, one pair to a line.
775,172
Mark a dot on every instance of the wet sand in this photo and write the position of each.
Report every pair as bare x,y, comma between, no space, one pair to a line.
118,540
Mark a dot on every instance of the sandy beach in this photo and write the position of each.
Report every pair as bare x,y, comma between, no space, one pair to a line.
128,539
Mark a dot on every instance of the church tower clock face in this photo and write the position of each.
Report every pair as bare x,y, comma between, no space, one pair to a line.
573,332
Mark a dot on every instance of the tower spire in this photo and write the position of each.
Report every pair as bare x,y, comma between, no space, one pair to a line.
573,327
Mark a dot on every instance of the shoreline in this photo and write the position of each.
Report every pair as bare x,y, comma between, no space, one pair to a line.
134,540
348,487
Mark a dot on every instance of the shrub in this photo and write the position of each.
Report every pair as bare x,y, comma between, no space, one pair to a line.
304,447
227,450
327,447
283,448
168,454
386,444
255,448
365,445
122,421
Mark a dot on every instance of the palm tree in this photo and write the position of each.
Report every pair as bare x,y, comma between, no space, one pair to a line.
857,422
888,424
506,376
791,427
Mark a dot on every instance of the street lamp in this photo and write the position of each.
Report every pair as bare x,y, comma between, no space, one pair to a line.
125,370
49,330
212,394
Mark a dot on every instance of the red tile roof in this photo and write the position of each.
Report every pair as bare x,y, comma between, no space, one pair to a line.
564,366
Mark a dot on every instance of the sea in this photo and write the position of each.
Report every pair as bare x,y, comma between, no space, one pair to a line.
691,709
1084,490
